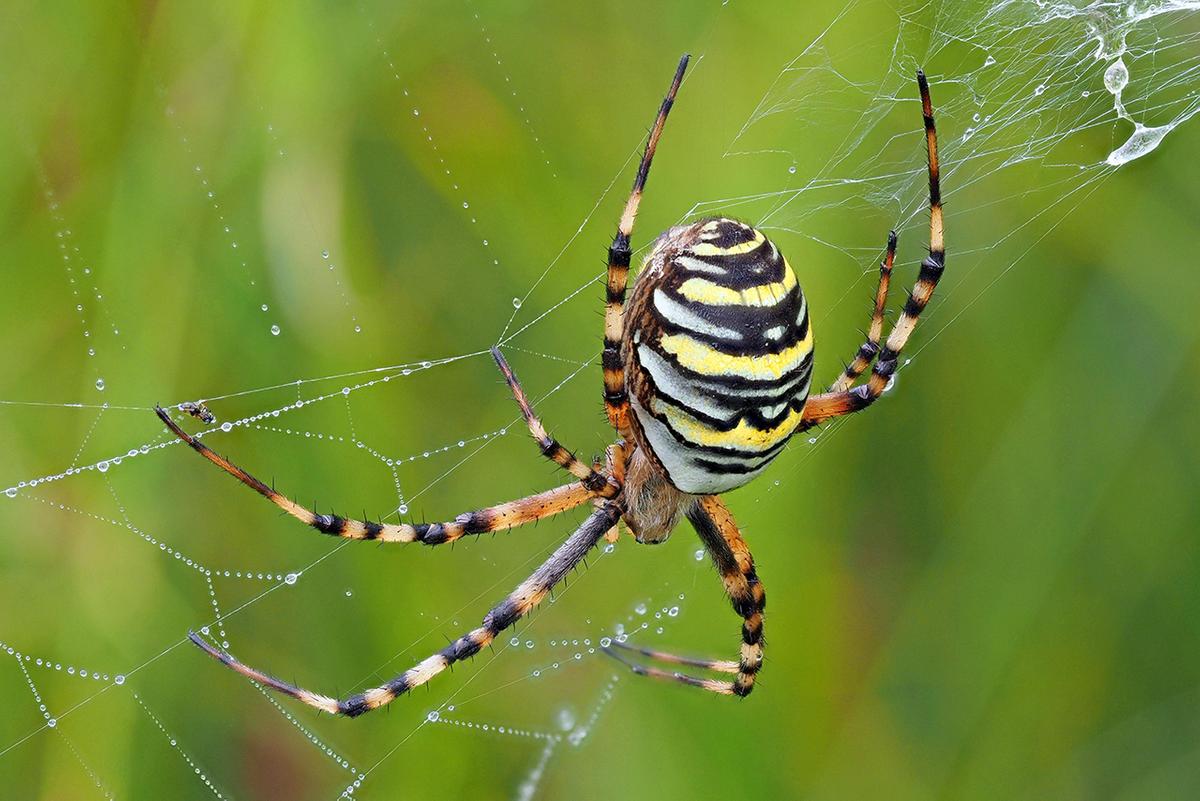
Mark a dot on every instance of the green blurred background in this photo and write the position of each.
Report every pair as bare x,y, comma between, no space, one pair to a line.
984,588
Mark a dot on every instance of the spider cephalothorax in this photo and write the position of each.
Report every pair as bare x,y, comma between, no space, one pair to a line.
706,376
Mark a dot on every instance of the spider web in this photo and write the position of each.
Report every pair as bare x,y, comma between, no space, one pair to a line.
1037,103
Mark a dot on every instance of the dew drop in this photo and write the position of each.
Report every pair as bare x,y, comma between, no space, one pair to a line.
349,593
11,492
699,555
227,426
102,467
119,679
1116,77
402,508
434,716
640,609
51,722
290,578
516,305
100,384
324,254
264,307
792,170
274,330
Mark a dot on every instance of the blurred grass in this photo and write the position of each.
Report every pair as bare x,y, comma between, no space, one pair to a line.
985,588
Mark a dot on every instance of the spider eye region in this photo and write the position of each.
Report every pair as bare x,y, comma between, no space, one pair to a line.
720,354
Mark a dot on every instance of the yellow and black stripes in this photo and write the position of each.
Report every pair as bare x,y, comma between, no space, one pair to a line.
834,404
717,530
720,350
868,350
616,398
549,446
518,604
493,518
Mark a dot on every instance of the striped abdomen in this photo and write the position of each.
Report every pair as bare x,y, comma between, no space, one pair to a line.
719,354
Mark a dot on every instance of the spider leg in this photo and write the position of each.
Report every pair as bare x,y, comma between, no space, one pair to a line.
866,352
519,603
493,518
834,404
719,533
550,447
616,399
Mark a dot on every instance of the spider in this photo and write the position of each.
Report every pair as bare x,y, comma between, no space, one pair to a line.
706,376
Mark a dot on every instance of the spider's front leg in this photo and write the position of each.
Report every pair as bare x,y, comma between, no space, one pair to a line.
492,518
518,604
719,533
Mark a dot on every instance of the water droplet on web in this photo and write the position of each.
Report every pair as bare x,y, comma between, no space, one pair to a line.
434,716
324,254
290,578
566,719
699,554
100,384
264,307
11,492
119,679
416,113
1116,77
227,426
1040,90
102,467
345,390
466,205
349,593
516,303
989,61
402,509
792,170
640,609
673,611
51,722
274,330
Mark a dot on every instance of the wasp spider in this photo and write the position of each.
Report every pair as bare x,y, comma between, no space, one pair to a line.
706,376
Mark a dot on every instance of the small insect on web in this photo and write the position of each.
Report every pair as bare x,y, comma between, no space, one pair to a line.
706,376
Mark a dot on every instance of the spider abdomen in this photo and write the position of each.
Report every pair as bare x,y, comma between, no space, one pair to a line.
719,353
